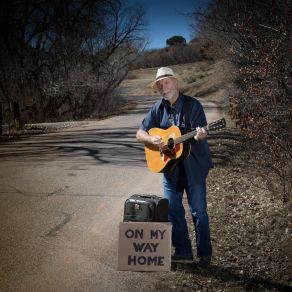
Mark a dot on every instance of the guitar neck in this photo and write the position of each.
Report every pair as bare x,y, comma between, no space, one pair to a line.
216,125
186,136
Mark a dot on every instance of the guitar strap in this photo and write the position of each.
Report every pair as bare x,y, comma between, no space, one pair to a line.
187,113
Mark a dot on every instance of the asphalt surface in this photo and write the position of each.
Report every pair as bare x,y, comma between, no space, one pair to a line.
61,201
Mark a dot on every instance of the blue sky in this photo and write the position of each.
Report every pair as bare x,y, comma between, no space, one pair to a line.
165,18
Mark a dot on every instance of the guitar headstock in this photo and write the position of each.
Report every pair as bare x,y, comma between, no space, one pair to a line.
216,125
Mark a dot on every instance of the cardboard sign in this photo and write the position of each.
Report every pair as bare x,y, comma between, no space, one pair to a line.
144,246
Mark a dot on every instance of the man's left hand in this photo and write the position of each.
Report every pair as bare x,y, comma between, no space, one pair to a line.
201,134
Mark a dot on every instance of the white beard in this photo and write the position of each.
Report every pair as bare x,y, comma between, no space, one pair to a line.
169,96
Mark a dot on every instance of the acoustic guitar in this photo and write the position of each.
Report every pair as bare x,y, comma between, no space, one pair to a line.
175,146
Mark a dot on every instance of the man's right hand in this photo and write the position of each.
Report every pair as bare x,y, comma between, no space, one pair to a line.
156,141
143,137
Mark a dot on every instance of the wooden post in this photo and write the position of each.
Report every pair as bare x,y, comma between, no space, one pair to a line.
16,116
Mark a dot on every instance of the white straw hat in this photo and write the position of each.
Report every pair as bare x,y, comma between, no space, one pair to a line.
162,73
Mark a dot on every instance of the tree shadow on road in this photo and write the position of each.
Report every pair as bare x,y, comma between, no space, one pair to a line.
117,145
108,146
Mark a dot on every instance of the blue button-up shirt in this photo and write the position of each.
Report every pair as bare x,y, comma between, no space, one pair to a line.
163,115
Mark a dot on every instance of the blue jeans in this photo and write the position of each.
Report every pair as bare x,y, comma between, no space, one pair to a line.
196,194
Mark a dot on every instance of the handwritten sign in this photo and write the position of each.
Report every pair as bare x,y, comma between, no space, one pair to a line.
144,246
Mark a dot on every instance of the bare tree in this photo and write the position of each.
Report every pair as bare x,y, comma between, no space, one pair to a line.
50,50
256,36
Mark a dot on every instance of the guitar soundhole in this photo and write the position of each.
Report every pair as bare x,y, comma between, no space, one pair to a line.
170,151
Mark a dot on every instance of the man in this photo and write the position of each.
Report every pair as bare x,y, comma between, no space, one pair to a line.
190,173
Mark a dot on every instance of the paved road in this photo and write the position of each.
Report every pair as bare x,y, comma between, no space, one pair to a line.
61,201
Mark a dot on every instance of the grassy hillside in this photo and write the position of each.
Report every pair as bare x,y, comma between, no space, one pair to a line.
205,79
